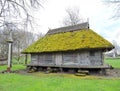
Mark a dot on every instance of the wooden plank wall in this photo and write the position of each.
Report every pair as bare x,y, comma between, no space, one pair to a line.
96,58
69,58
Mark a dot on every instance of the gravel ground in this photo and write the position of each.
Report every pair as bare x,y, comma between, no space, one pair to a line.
113,72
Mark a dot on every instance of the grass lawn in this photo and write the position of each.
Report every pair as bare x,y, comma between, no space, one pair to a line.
46,82
57,82
14,67
115,62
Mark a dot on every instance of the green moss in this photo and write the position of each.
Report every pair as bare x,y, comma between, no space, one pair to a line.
69,41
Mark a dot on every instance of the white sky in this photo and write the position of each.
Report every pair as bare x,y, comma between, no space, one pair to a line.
51,16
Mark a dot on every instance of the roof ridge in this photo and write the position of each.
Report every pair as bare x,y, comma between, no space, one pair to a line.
80,26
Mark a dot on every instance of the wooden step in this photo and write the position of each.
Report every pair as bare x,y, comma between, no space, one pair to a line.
83,71
80,74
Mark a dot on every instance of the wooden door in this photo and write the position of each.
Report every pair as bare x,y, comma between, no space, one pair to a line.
58,59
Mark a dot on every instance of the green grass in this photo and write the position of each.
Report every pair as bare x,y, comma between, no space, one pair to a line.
115,62
17,82
14,67
21,60
57,82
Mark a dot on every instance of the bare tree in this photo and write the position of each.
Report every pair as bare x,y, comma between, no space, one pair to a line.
72,17
21,39
4,35
3,44
18,11
116,7
39,35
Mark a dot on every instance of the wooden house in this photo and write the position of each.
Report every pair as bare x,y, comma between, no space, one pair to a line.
69,47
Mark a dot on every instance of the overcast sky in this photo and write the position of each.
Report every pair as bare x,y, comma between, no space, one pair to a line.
99,14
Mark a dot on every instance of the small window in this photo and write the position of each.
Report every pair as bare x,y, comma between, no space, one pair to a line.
92,53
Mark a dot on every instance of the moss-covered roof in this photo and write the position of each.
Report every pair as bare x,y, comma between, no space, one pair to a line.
81,39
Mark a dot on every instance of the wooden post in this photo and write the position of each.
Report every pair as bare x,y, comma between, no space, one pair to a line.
10,41
25,58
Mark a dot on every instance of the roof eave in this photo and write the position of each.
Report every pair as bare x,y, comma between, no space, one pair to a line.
81,49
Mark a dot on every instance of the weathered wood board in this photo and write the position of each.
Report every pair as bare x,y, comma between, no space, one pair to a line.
82,58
